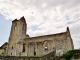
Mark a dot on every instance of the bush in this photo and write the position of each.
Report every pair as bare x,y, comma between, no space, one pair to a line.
1,54
68,54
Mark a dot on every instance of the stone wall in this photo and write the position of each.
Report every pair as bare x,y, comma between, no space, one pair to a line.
50,56
20,44
1,51
61,41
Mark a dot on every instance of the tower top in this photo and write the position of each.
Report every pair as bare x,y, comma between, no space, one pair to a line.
14,20
22,19
68,29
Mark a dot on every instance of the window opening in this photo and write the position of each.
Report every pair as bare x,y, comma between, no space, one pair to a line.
11,53
15,28
45,45
34,51
12,47
23,47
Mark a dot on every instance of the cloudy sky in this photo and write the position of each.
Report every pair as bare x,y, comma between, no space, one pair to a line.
42,16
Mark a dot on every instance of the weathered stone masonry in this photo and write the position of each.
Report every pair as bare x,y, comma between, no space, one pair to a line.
20,44
50,56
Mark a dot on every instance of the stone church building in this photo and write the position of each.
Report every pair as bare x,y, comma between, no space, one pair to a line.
21,44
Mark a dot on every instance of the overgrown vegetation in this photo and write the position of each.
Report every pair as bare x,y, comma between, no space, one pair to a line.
1,55
68,54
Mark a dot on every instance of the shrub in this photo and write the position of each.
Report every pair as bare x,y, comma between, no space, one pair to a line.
68,54
1,54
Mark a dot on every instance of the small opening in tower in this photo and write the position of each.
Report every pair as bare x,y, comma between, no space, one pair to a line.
12,47
23,47
11,53
15,28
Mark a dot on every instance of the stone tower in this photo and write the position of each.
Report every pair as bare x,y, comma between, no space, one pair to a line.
18,32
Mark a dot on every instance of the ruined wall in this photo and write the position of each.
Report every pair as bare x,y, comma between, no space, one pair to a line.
62,42
49,56
3,48
21,44
1,51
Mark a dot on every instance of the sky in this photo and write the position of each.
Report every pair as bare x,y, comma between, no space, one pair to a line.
43,17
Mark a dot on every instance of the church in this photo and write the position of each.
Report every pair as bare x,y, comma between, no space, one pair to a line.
21,44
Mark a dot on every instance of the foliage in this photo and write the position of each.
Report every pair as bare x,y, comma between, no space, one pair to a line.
68,54
1,55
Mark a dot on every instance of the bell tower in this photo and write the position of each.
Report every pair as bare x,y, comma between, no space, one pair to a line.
18,32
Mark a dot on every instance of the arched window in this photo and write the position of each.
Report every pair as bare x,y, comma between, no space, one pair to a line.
45,45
